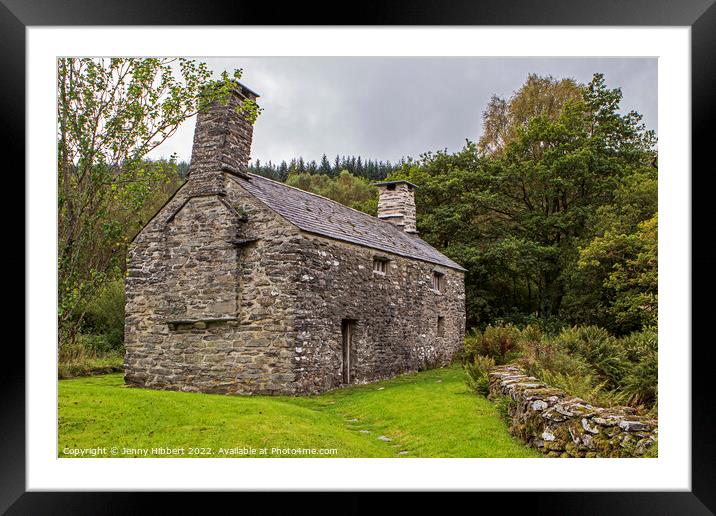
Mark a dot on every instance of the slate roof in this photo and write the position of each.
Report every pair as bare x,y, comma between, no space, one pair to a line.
319,215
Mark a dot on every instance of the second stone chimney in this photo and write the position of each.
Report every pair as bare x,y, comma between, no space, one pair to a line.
222,141
396,204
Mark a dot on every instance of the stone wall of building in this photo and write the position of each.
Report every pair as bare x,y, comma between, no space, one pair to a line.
209,297
560,425
395,315
223,295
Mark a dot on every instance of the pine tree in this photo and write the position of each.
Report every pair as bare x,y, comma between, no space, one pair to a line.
336,166
282,171
325,167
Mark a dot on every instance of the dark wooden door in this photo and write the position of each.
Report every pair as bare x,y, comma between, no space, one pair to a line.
347,328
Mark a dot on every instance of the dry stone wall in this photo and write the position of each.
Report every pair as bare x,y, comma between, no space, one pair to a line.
560,425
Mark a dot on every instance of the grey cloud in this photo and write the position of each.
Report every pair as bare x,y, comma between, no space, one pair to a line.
389,107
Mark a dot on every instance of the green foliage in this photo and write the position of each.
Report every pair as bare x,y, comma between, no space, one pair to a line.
503,405
516,208
476,374
547,356
590,363
603,352
500,343
583,386
640,385
551,325
626,264
584,361
104,316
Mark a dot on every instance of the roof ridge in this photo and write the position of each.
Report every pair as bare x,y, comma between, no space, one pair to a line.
321,197
335,220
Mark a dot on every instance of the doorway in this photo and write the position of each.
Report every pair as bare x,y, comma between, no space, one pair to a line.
348,331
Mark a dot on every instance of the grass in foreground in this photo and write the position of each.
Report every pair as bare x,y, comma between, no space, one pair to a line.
427,414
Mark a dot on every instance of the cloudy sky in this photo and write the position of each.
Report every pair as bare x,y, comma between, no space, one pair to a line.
386,108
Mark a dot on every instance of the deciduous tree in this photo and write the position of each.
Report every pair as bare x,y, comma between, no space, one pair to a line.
111,113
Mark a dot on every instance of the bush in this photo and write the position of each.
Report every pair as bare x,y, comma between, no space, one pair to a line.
548,325
104,317
99,348
641,344
585,361
555,360
471,347
531,335
502,343
73,352
583,386
641,383
476,374
599,349
83,358
542,353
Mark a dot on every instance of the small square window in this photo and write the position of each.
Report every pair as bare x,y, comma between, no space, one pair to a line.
438,281
380,265
441,326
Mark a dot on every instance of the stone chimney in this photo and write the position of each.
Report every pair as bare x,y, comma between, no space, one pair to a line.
396,204
222,142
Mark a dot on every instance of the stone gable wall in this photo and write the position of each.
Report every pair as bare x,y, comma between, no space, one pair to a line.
560,425
201,277
175,338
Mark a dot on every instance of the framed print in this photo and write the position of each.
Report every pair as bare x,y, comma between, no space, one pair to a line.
418,252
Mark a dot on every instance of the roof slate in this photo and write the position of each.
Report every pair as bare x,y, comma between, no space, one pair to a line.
319,215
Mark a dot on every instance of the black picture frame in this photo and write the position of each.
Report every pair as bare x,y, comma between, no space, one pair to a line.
700,15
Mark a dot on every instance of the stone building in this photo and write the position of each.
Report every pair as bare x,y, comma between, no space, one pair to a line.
240,284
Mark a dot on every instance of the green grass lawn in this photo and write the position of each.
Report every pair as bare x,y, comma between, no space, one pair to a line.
427,414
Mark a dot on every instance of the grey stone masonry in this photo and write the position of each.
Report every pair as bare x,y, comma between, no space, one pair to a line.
222,142
396,204
228,292
395,313
560,425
